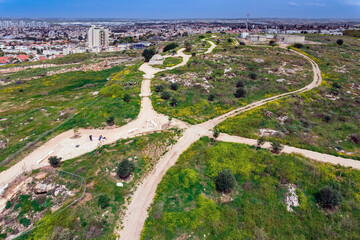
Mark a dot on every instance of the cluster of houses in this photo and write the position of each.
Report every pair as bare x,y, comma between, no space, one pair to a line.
20,58
279,38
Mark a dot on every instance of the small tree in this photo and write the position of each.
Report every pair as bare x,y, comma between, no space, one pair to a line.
298,45
260,142
127,98
148,54
159,88
170,46
110,121
239,84
54,161
174,86
328,197
225,181
272,43
193,54
216,132
240,92
103,201
253,76
125,168
211,97
173,102
165,95
187,46
276,147
340,42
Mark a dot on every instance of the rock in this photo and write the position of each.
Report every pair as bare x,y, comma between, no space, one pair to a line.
119,184
95,93
41,188
280,80
3,144
282,119
268,132
291,198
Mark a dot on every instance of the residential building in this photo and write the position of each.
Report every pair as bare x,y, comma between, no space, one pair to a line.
98,37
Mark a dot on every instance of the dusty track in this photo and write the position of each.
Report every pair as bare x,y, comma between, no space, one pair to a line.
147,121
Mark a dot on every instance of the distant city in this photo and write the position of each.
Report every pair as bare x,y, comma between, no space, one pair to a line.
27,40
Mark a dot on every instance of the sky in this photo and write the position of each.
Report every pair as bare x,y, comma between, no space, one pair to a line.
172,9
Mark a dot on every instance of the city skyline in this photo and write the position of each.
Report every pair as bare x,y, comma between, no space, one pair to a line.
175,9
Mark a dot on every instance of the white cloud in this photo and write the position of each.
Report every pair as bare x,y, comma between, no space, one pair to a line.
294,4
351,2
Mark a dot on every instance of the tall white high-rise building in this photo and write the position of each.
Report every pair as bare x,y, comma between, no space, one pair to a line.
98,37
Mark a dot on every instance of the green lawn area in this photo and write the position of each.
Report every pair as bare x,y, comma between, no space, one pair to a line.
325,119
187,206
169,62
30,108
208,83
86,220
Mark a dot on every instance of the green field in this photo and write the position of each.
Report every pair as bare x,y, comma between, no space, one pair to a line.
187,206
30,108
325,119
208,83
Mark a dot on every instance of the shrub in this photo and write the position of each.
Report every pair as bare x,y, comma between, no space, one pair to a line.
159,88
328,197
174,86
340,42
165,95
25,221
240,92
272,43
8,205
276,147
110,121
103,201
229,40
187,46
127,98
193,54
216,132
242,43
225,181
260,141
211,97
148,54
253,76
298,45
173,102
54,161
125,168
239,84
170,46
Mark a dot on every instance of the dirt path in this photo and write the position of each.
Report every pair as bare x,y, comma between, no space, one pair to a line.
147,121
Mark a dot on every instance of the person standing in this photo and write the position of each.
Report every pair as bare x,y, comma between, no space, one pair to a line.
90,136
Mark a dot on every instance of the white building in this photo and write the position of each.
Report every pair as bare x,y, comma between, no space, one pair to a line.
98,37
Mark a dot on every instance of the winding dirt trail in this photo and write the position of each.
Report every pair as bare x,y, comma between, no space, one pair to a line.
147,121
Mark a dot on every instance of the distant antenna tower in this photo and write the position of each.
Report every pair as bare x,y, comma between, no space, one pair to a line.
247,21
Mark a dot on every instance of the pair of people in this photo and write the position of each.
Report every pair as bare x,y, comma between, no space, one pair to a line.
100,137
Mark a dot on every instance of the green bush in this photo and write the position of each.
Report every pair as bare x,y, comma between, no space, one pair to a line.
240,84
225,181
165,95
54,161
125,168
174,86
240,93
173,102
211,97
103,201
329,197
127,98
253,76
276,147
25,221
170,46
148,54
110,121
159,88
298,45
339,42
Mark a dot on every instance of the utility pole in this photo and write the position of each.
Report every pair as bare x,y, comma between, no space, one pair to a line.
247,21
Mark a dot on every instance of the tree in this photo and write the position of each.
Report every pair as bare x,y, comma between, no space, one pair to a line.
239,84
329,197
54,161
165,95
260,142
174,86
125,168
253,76
276,147
187,46
110,121
170,46
193,54
216,132
159,88
127,98
225,181
148,54
240,92
211,97
173,102
229,40
298,45
340,42
103,201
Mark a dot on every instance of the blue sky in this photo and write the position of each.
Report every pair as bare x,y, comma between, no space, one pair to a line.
180,8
